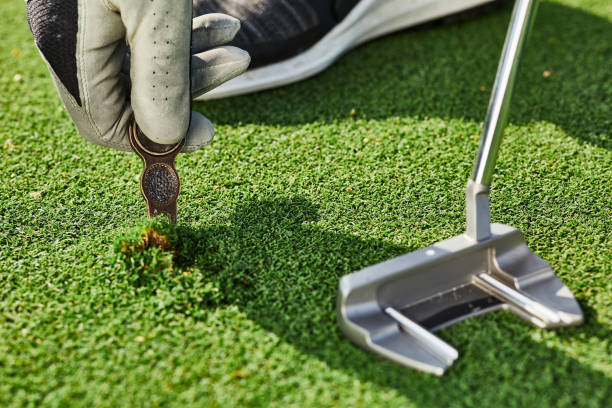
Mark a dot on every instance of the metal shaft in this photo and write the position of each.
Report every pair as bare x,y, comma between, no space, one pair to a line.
499,105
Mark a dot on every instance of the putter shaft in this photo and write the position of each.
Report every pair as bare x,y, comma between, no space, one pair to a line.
499,104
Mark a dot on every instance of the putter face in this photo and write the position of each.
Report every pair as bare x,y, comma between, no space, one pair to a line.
392,308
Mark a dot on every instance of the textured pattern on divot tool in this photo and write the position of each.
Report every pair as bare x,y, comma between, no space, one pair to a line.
159,182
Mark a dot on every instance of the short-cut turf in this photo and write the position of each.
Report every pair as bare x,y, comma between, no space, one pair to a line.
303,185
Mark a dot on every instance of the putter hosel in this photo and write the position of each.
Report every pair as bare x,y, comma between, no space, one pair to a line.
477,192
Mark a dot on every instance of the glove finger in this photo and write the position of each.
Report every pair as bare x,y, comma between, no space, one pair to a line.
211,68
208,31
211,30
159,36
200,133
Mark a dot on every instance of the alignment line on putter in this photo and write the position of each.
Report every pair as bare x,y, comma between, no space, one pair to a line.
433,342
516,298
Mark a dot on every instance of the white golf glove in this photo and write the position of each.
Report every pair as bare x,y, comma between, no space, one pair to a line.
171,59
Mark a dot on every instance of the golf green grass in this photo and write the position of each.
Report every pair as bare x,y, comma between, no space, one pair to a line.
301,186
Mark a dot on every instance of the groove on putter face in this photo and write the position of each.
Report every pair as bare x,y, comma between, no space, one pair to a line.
394,307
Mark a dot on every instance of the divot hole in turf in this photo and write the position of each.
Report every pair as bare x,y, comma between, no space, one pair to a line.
155,260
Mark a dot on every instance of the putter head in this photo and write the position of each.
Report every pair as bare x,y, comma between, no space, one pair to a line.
393,307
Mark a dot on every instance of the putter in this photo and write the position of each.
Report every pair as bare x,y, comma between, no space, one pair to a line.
159,182
394,307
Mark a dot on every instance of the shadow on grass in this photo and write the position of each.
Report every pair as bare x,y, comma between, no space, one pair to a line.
447,72
282,271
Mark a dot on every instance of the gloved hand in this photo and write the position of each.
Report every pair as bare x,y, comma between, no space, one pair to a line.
171,60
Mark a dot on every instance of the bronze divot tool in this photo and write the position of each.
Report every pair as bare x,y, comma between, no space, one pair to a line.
159,182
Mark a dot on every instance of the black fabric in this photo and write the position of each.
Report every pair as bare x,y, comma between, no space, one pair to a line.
273,30
54,24
343,7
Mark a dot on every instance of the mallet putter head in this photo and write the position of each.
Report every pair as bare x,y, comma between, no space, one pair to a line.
393,307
